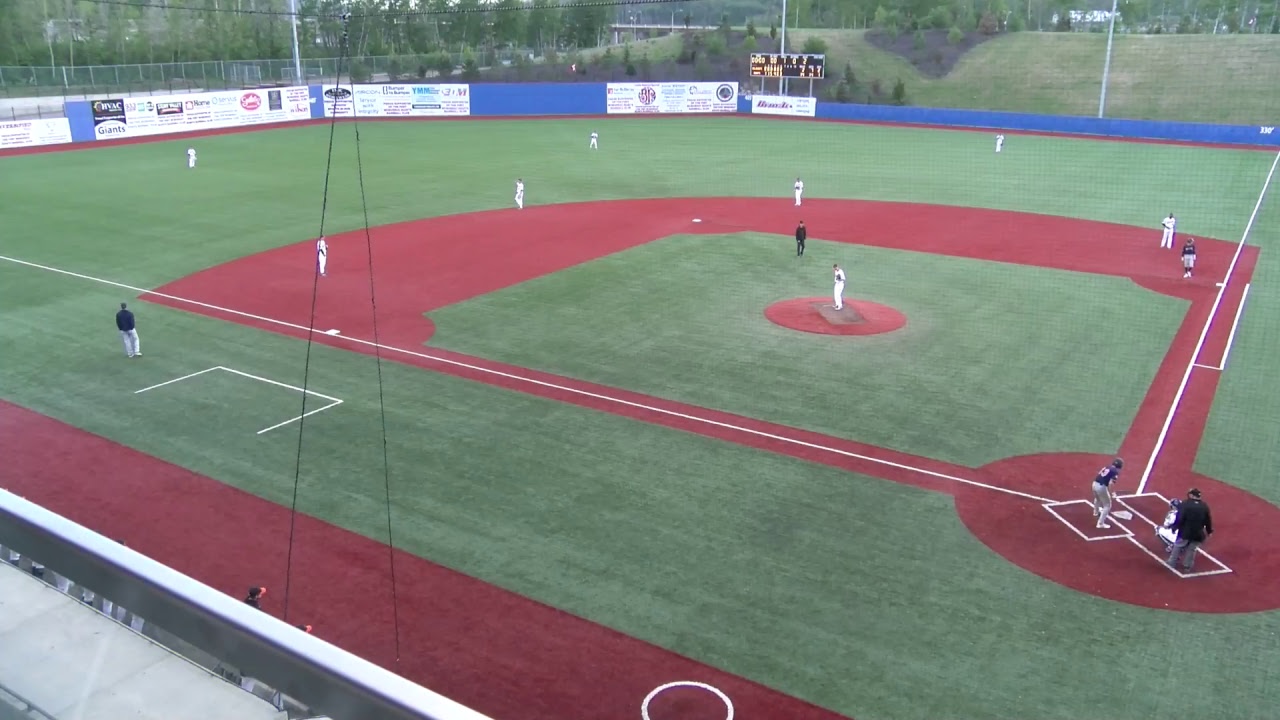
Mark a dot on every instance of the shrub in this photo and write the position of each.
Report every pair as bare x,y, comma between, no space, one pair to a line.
749,43
724,25
751,29
631,70
470,69
887,19
608,60
1017,23
876,89
773,32
626,54
395,68
646,67
687,19
844,93
849,77
955,36
939,18
702,69
988,25
717,46
815,45
551,56
360,72
422,71
442,63
917,40
899,93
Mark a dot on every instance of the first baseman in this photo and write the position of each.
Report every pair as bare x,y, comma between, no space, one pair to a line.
322,255
1167,228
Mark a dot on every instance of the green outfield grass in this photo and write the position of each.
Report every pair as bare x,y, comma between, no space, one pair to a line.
980,336
1187,78
860,595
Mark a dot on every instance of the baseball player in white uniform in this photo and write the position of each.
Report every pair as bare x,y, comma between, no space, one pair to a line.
999,143
595,141
191,157
839,290
1167,228
799,187
322,255
520,193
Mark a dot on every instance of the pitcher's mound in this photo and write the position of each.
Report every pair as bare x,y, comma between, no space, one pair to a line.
819,315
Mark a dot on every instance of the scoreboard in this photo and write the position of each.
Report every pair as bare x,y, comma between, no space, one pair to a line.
774,65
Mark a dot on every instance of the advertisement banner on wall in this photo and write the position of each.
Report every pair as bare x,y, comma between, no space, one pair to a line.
671,98
783,105
162,114
30,133
397,100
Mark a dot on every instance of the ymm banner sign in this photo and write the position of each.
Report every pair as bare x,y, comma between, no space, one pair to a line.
397,100
784,105
671,98
163,114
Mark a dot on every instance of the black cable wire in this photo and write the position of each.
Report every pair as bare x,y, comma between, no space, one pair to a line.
411,13
306,367
377,353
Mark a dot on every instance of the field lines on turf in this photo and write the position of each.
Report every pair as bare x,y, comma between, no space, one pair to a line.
1204,332
542,383
1222,567
1231,338
333,401
1052,511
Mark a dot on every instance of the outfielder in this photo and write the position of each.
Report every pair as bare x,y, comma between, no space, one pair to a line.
191,157
999,143
1168,225
839,289
1102,492
1188,257
520,193
595,141
322,255
128,332
799,187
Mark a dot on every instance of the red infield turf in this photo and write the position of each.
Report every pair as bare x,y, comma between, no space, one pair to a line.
514,658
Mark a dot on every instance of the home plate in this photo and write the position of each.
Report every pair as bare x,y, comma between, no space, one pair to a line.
332,332
1122,514
697,219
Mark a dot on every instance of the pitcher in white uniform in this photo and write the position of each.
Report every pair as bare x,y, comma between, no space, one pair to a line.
839,289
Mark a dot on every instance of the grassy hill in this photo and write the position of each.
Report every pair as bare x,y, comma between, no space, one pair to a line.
1195,78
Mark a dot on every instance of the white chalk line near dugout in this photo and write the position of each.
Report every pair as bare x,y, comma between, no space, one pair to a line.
333,401
542,383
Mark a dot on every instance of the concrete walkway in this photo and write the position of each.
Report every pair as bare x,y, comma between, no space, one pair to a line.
70,661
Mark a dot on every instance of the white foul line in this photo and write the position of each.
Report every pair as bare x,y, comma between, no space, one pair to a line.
1224,569
334,402
1204,332
170,382
543,383
1235,325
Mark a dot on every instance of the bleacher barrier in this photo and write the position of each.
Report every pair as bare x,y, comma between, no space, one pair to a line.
127,117
323,676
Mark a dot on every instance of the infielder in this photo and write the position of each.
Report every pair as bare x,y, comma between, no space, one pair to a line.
520,193
1102,492
191,157
999,143
128,332
322,255
1168,225
799,187
1188,257
839,290
595,140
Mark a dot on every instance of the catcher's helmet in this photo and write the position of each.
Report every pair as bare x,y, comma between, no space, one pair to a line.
1175,503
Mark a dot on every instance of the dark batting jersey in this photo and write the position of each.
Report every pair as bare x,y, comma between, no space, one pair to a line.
801,233
1107,475
1189,249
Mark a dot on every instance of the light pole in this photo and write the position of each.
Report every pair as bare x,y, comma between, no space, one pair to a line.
782,82
297,57
1106,65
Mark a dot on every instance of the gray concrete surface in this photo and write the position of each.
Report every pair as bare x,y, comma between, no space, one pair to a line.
70,660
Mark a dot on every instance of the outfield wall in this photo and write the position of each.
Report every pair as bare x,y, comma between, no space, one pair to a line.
107,119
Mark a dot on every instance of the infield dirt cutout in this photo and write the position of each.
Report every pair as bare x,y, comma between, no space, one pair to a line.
422,266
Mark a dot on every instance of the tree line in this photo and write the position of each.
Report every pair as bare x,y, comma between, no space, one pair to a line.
82,32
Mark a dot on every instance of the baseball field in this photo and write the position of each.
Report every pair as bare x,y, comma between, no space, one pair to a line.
548,461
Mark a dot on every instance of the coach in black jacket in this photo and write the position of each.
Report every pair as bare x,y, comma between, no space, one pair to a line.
1194,525
802,233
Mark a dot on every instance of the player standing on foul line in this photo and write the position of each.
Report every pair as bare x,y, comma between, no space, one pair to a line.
799,187
322,255
520,193
1168,226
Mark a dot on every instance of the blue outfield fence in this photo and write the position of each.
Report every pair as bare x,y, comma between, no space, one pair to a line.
158,115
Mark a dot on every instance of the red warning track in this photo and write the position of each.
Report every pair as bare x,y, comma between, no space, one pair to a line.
1001,503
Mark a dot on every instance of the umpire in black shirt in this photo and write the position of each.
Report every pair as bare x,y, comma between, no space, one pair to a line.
801,234
1194,525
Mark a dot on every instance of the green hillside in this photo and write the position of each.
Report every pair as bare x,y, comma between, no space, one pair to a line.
1193,78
